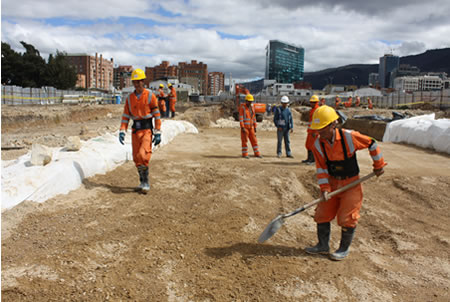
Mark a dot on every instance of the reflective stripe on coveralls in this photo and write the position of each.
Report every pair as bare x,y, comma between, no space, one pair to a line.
172,99
247,121
345,206
311,135
161,100
144,107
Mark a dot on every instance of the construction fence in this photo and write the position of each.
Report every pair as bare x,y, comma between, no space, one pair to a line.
15,95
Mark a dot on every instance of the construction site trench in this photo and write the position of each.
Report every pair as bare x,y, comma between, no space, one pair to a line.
193,237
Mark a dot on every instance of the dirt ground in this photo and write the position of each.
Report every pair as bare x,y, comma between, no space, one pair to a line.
194,236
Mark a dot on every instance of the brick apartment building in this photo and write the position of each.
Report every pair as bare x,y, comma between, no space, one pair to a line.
122,76
92,71
216,82
194,74
163,70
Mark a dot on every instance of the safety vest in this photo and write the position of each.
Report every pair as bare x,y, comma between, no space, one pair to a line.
342,169
338,160
247,116
141,110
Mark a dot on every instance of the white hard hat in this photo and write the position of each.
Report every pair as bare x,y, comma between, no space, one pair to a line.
285,100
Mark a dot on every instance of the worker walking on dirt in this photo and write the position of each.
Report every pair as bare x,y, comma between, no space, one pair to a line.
369,103
247,121
285,125
358,101
311,135
335,154
337,102
172,100
162,100
142,107
348,104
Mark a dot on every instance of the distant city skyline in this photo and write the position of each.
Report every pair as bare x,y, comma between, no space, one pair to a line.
229,36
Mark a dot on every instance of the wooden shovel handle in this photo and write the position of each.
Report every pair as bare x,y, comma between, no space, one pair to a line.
332,194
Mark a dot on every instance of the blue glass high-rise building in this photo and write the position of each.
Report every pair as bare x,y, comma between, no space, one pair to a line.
284,62
387,64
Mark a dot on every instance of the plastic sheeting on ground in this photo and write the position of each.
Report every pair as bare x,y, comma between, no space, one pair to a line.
423,131
21,181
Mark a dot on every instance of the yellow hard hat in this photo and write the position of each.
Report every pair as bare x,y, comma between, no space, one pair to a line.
169,85
322,117
138,74
249,98
314,99
161,85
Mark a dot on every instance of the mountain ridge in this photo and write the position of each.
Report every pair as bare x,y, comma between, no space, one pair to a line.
433,60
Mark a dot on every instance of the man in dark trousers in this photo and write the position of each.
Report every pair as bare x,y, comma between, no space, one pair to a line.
285,125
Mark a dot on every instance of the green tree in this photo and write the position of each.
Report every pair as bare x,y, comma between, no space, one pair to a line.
11,62
33,69
60,74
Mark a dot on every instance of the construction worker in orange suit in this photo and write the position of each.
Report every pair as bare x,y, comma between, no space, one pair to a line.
162,100
172,100
358,101
311,135
247,121
348,104
337,102
369,103
142,107
335,154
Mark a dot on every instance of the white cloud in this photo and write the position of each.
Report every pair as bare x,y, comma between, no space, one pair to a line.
229,36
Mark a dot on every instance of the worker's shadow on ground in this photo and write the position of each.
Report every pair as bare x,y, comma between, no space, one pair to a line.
251,250
114,189
222,156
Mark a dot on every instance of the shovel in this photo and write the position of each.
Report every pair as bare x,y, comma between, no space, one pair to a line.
276,224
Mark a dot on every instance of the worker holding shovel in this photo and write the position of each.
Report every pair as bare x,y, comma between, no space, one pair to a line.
335,155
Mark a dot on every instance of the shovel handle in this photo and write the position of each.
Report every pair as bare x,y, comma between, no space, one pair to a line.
332,194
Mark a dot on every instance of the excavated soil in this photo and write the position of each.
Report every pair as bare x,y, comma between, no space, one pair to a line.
194,236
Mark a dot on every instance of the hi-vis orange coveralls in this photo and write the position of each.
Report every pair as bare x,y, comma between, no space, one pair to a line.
337,103
161,101
348,104
247,121
311,136
142,111
345,206
172,99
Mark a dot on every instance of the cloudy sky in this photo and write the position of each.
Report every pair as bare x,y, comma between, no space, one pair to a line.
231,35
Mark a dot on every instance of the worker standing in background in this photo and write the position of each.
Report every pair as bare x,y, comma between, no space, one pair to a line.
348,104
322,102
358,101
369,103
285,125
142,107
335,153
337,102
162,100
247,121
311,135
172,100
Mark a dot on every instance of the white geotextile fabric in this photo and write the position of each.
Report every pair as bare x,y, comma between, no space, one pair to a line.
423,131
66,171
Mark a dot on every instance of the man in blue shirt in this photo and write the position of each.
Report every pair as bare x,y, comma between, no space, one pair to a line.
285,125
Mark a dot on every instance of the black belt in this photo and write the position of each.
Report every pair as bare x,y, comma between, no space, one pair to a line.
142,124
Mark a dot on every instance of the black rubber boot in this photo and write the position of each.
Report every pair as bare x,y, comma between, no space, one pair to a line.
323,234
310,159
145,182
173,114
141,178
344,247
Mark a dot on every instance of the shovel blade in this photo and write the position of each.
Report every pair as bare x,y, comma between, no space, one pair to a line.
271,229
